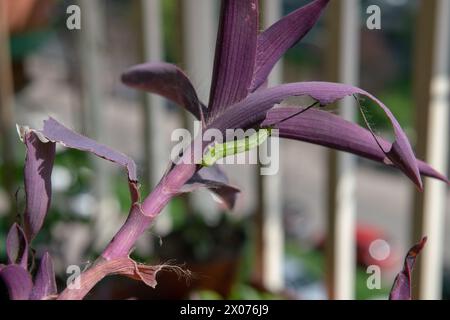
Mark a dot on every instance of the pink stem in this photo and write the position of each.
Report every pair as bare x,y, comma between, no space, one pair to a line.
142,216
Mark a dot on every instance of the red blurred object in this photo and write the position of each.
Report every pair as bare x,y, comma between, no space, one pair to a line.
365,235
24,15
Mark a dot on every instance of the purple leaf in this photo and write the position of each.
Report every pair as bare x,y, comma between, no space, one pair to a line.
329,130
401,290
44,282
17,246
252,110
282,35
56,132
166,80
38,170
216,181
426,170
235,54
17,281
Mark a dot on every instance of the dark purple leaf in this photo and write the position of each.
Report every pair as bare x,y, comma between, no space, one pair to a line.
17,246
252,110
17,281
56,132
426,170
44,282
235,54
282,35
216,181
166,80
329,130
38,189
401,290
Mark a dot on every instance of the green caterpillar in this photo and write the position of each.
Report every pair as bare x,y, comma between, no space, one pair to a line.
222,150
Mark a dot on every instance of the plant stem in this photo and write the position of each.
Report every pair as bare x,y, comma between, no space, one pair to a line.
141,217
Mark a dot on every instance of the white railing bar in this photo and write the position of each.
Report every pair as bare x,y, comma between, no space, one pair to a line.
92,45
341,261
199,24
273,230
433,146
154,112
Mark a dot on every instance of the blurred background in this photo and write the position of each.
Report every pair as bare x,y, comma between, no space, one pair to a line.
274,244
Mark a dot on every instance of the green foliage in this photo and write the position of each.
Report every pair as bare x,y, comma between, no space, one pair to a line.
398,99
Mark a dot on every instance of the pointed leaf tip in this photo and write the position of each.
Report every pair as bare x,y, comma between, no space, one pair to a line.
282,35
17,246
45,282
166,80
17,281
38,170
329,130
401,289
